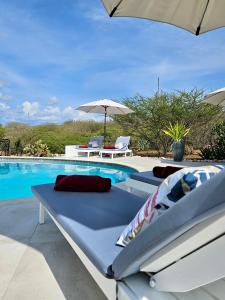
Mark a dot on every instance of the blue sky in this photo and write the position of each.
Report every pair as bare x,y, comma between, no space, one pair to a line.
56,55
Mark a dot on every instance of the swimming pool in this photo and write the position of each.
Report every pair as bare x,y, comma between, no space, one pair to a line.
17,176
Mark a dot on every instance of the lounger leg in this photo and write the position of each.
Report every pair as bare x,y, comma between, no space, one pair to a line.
112,155
41,214
88,154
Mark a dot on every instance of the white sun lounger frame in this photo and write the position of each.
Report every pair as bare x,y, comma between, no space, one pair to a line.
113,152
71,151
193,259
184,273
107,285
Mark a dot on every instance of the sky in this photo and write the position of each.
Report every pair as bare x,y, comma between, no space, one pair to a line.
56,55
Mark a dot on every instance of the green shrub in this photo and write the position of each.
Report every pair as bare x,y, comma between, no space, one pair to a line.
2,131
217,148
18,148
207,153
36,149
152,114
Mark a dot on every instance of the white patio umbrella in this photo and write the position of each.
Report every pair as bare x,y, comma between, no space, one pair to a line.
217,97
106,107
196,16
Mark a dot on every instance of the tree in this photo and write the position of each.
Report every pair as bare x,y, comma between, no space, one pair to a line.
153,114
216,149
2,131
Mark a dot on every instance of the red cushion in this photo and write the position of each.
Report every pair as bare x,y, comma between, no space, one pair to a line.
163,172
109,147
82,183
83,146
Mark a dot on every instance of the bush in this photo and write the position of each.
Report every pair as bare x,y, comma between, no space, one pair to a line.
153,114
207,153
2,131
217,148
37,149
18,148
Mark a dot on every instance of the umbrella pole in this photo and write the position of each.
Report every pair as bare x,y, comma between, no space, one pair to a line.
105,124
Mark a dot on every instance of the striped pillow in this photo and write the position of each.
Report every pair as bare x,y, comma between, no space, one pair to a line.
172,189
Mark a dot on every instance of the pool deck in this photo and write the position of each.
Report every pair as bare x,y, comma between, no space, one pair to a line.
137,162
36,260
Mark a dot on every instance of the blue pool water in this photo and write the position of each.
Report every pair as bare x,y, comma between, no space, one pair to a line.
17,176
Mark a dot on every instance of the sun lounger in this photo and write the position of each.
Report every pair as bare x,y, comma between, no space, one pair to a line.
74,150
121,144
143,181
181,251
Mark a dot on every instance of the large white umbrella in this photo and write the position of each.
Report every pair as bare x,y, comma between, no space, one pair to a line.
217,97
196,16
106,107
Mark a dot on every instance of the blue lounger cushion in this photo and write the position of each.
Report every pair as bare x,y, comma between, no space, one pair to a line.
94,221
147,177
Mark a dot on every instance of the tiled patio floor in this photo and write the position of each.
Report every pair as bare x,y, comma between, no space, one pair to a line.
36,262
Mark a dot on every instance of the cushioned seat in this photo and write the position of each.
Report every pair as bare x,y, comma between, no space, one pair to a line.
93,220
147,177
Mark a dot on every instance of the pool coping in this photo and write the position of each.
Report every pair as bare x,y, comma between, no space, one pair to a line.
69,159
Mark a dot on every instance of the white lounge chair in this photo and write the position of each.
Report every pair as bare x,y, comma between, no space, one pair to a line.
94,146
172,258
121,146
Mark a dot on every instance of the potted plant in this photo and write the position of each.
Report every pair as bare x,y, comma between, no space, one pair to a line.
177,132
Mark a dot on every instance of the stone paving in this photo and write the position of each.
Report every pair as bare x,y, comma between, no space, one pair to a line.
36,262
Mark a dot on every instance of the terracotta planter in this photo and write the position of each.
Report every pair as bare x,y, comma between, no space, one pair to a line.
178,150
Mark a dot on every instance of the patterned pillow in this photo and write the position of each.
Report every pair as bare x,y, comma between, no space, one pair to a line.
172,189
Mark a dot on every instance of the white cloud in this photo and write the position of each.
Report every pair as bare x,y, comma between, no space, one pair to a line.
4,107
54,100
69,111
4,97
30,108
36,113
50,110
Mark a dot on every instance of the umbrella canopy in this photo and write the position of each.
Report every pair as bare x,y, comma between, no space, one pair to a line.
196,16
217,97
106,107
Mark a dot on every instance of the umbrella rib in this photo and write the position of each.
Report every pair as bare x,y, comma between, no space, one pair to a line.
200,24
115,8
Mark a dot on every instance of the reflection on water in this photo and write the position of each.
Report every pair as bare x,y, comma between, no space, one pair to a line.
16,178
4,169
